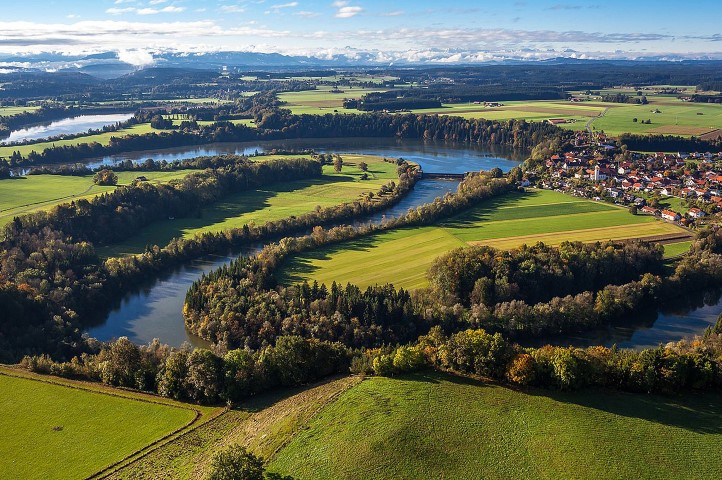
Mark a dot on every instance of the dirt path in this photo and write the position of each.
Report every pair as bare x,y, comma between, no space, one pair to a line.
588,125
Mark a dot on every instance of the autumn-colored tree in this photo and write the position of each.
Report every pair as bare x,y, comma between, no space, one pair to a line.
105,177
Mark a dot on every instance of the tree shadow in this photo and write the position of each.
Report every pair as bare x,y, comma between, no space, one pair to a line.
473,216
267,399
694,411
300,267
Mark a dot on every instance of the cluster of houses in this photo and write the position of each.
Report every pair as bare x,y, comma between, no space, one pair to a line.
593,171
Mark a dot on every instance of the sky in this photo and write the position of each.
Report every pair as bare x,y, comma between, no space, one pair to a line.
390,31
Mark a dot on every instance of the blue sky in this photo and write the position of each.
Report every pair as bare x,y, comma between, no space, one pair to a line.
437,31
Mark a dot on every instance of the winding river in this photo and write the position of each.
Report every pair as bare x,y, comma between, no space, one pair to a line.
66,126
153,309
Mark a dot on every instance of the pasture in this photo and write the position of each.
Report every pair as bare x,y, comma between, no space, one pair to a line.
668,116
55,428
403,256
37,192
413,427
272,202
10,111
321,100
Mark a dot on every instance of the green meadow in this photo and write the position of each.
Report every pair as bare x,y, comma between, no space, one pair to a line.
674,118
403,256
269,203
73,430
10,111
22,195
437,426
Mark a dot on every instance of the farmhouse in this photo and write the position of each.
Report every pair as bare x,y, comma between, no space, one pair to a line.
671,215
650,210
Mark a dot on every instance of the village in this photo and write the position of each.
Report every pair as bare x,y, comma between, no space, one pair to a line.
681,187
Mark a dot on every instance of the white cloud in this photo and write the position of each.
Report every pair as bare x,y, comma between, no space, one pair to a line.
348,12
232,9
306,14
157,2
153,11
119,11
139,58
285,5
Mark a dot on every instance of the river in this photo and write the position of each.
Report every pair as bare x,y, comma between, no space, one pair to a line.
153,310
66,126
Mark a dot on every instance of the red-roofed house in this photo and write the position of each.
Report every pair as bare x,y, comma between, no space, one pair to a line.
671,215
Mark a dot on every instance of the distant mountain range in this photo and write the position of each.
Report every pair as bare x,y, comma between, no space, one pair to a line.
113,64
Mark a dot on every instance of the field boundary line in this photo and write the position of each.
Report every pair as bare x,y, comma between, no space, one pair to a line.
161,442
87,190
331,399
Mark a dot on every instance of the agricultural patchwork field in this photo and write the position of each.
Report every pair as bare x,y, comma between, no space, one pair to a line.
403,256
70,429
273,202
412,427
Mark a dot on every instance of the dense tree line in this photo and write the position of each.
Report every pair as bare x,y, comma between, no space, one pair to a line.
667,143
683,366
200,375
624,98
534,274
392,101
204,377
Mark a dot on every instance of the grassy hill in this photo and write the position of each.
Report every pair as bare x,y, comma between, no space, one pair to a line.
403,256
438,426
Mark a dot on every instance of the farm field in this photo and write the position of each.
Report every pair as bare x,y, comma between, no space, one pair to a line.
676,248
273,202
9,111
36,192
102,138
70,429
403,256
321,100
412,427
538,110
675,118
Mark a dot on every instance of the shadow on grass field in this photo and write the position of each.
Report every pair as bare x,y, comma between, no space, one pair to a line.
695,412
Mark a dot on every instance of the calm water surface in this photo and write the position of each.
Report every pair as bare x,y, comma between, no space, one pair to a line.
66,126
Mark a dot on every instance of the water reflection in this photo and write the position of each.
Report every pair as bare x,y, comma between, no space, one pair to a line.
66,126
686,318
